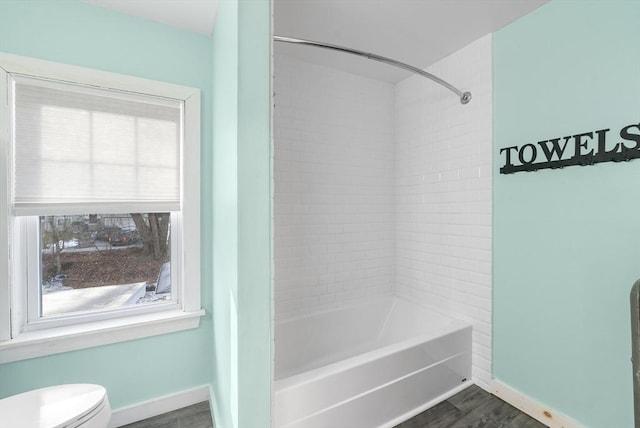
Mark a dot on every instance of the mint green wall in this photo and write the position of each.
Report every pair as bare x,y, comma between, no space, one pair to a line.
225,219
242,220
255,337
567,242
75,33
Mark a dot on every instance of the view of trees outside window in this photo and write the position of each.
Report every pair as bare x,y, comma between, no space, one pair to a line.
102,261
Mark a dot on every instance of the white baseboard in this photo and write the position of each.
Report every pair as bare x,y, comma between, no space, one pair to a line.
547,416
157,406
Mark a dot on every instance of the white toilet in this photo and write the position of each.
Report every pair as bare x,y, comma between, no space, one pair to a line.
62,406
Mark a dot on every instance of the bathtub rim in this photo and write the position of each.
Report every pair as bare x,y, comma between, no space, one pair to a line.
450,326
357,360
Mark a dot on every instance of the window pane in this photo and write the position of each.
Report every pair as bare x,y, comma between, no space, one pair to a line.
95,262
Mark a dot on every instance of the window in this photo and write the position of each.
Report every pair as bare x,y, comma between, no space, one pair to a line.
96,263
99,206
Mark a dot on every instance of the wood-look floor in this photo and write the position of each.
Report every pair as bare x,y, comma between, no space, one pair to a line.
196,416
471,408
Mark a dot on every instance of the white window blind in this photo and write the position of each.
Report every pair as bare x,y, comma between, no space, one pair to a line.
84,149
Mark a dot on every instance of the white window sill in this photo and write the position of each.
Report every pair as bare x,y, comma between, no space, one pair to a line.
70,338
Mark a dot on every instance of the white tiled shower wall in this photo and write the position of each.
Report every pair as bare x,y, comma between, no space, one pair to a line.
334,195
443,194
383,188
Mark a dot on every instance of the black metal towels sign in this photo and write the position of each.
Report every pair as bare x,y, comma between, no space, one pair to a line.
587,148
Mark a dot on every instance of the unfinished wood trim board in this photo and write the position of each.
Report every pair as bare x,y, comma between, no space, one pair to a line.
543,414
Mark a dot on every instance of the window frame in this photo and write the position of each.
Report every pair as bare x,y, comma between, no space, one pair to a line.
18,342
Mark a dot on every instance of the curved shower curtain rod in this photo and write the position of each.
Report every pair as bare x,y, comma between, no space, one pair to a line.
465,97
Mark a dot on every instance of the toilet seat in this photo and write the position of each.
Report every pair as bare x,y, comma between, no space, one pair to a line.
62,406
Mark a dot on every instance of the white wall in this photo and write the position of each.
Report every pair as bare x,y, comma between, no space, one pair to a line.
334,237
443,194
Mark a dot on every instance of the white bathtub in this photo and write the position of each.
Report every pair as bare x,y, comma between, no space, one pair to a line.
372,365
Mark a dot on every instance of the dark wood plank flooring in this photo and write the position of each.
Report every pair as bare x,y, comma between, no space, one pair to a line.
195,416
471,408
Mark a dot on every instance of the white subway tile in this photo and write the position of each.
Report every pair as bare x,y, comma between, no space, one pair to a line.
457,171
